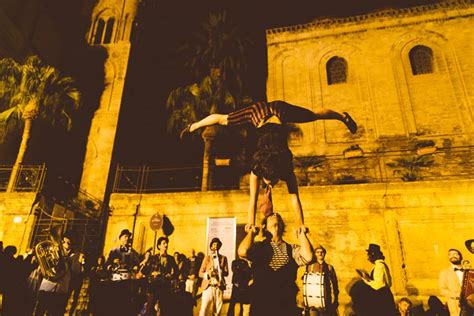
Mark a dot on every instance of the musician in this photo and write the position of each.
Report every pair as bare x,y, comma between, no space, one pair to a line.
161,271
213,270
241,286
193,273
274,263
331,288
450,281
77,277
470,245
98,274
380,281
120,292
123,257
53,295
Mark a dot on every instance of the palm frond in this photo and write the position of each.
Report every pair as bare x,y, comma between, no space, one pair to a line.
56,96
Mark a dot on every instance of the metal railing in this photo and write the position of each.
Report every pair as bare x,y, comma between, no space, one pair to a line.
30,178
149,179
371,167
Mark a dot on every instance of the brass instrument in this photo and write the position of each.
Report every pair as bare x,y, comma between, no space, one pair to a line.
50,255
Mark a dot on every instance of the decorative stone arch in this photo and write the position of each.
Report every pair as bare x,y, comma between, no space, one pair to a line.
105,27
357,79
290,81
349,53
444,63
277,62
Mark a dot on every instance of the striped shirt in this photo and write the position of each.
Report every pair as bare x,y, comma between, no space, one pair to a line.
280,256
256,113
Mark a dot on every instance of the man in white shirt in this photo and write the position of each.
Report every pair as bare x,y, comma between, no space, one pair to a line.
450,280
380,281
213,270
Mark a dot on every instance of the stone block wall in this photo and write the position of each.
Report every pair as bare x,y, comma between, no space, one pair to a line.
15,222
381,92
415,224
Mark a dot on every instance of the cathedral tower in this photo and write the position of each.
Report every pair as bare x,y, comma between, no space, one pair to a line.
111,27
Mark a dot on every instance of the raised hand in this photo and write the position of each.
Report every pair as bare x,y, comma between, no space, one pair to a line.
251,228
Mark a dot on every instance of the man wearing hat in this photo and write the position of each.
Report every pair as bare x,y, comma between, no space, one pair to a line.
213,270
331,287
470,245
53,294
123,257
380,280
161,271
122,261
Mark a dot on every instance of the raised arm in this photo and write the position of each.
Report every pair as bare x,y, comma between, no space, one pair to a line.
247,242
295,199
306,248
253,197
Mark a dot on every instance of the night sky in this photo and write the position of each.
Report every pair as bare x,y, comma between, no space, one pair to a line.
156,67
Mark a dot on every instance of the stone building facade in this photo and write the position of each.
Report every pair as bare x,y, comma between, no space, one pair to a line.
404,75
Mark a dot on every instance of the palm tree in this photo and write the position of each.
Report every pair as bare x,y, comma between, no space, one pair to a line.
217,55
30,91
220,45
190,103
410,167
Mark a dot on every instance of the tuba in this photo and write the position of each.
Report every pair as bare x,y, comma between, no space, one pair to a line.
50,255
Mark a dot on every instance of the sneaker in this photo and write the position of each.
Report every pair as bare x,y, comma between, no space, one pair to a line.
185,131
350,123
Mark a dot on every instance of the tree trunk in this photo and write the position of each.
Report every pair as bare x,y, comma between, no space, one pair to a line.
21,155
208,136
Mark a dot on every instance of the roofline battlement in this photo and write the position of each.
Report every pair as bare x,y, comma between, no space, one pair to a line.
379,16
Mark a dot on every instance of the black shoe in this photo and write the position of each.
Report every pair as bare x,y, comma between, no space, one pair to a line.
185,131
350,123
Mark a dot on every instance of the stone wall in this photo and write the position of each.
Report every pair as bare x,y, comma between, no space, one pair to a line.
415,223
15,223
381,92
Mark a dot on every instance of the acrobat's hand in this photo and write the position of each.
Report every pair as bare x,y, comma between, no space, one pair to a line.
302,230
250,228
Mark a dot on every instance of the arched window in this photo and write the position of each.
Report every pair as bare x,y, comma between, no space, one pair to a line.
336,69
99,32
109,30
421,60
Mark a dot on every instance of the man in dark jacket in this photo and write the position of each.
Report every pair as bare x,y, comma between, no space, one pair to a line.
161,271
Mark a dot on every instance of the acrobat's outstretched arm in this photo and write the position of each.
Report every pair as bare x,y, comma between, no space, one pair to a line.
213,119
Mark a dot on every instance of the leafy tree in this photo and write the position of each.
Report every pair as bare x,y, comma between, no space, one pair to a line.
219,44
31,91
190,103
217,58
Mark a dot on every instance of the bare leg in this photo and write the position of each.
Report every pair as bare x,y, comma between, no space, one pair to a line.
328,114
212,119
297,114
